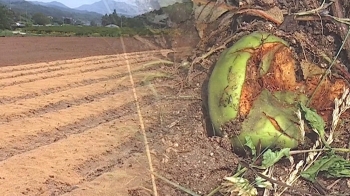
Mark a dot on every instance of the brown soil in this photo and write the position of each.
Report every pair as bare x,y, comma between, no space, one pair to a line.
70,124
22,50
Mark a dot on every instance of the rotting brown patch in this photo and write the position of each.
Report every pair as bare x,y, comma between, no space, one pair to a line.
282,70
323,98
251,88
281,76
252,85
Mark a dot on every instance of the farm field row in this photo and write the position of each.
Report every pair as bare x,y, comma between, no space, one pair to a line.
65,123
24,50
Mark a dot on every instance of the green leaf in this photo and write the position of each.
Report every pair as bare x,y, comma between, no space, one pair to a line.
263,183
238,186
313,118
249,144
270,158
333,166
315,121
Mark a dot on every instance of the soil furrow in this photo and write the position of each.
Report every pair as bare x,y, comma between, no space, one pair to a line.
17,134
26,67
52,64
21,73
81,84
46,138
38,105
119,159
48,75
132,174
52,169
115,171
64,121
68,66
110,160
56,106
52,85
48,91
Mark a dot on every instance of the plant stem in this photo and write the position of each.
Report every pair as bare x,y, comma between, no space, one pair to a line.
214,191
344,150
176,185
240,172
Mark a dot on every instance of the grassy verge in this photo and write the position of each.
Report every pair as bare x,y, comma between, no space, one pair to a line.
5,33
88,31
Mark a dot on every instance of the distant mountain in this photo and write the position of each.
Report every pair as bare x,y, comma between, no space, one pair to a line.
107,7
54,9
51,4
87,13
127,7
165,3
6,2
156,4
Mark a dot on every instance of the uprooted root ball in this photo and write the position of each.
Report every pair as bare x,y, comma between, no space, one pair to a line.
255,80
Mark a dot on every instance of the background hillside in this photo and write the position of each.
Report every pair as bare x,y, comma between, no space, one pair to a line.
54,4
107,7
21,13
87,13
55,10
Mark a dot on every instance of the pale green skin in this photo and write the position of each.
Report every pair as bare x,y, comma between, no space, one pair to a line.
226,81
224,92
280,106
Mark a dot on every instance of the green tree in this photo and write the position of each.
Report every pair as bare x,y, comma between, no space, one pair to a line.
67,21
93,23
111,19
114,18
6,17
105,20
57,21
136,22
78,22
40,19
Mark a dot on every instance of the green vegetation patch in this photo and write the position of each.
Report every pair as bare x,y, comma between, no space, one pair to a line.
70,30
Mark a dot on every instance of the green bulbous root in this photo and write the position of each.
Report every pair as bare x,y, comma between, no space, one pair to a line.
225,87
271,122
226,80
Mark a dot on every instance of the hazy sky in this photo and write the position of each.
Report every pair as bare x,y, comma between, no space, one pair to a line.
76,3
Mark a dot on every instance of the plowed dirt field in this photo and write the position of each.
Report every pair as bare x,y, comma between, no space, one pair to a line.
64,123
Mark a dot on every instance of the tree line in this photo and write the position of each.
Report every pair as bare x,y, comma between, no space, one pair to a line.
122,21
8,17
115,19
